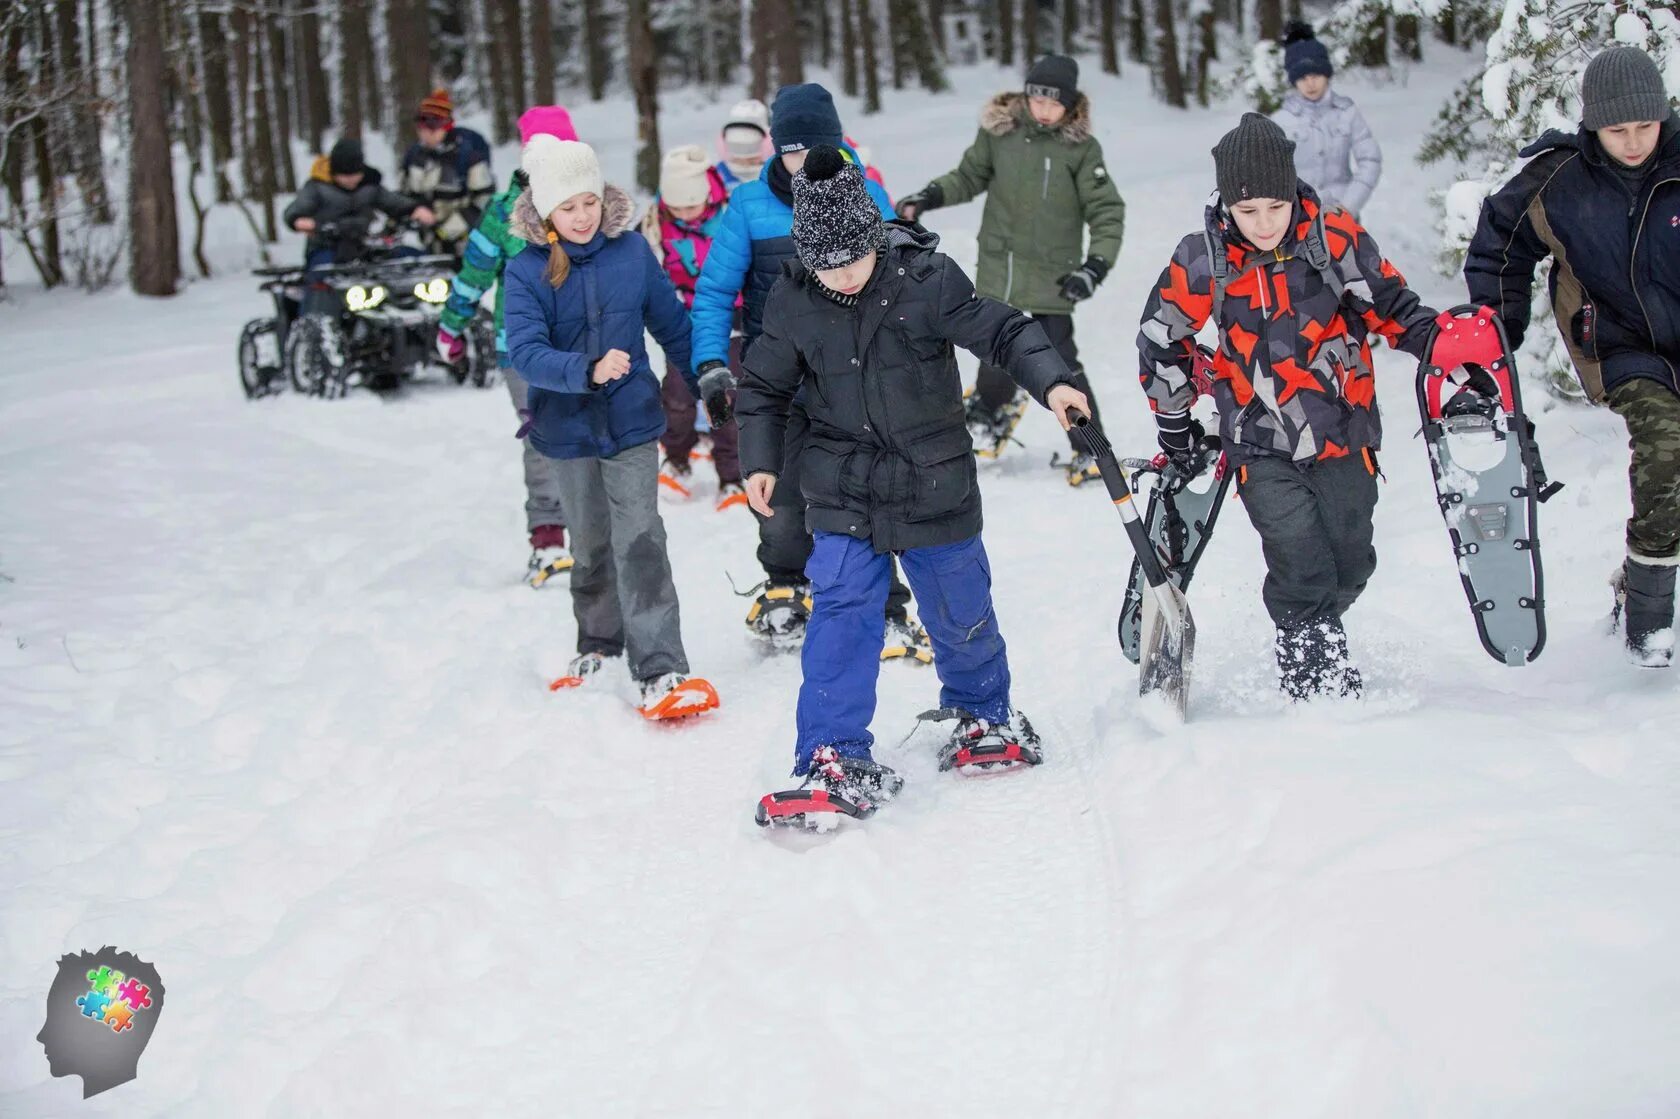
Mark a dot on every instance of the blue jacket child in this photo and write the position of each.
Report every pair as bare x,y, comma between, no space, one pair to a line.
578,300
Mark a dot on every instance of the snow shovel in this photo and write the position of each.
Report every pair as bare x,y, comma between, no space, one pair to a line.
1167,630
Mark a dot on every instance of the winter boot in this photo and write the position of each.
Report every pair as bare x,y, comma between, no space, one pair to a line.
673,695
676,478
977,746
549,555
582,669
779,614
906,640
992,430
1313,660
730,494
834,786
1645,608
1081,468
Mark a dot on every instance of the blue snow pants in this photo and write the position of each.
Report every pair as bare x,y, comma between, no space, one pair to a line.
842,652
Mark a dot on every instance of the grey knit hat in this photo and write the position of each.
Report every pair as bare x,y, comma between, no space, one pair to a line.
1254,160
835,221
1622,84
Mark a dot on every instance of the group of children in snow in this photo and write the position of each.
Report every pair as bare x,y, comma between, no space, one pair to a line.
793,301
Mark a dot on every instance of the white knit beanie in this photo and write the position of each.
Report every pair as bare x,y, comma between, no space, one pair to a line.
682,177
558,170
751,111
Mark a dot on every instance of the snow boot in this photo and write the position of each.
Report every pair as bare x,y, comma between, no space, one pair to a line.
906,640
580,671
991,431
1313,660
977,746
677,478
730,494
1081,468
549,555
779,614
1645,610
673,695
835,786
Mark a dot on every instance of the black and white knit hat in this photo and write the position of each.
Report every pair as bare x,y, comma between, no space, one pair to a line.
835,221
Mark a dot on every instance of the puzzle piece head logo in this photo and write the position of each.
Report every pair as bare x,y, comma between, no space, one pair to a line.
101,1012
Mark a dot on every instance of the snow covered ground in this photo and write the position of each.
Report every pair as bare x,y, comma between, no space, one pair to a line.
272,715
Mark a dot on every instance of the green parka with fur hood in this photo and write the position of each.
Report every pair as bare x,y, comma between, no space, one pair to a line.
1043,186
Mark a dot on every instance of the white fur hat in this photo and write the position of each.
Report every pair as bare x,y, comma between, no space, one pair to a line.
682,177
558,170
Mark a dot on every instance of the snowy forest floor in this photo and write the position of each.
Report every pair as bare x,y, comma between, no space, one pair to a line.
272,716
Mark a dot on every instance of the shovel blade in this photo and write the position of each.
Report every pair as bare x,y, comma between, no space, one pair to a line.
1168,647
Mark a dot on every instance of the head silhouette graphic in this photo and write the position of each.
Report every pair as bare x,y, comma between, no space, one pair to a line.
101,1012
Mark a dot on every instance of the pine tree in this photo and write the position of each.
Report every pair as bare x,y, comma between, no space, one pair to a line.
155,251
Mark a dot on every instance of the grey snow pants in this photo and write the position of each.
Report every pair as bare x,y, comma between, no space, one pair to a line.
542,486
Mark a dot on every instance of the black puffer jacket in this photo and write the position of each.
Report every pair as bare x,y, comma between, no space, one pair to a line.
350,212
888,458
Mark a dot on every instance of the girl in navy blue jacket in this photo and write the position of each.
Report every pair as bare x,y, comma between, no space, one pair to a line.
578,300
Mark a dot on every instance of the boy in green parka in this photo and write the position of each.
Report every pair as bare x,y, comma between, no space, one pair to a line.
1045,181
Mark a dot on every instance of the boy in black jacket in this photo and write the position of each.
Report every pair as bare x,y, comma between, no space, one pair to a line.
861,326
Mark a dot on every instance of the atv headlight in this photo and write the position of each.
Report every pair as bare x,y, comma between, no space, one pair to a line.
435,290
361,298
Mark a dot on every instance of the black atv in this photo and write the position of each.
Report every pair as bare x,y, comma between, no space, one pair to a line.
370,320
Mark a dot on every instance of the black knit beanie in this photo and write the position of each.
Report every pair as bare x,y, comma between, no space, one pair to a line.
835,221
346,158
1254,160
1303,54
1055,75
1622,84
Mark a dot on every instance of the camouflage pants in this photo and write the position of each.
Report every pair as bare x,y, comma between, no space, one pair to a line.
1652,413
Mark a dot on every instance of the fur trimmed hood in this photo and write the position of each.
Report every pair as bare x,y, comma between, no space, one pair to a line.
1008,111
618,215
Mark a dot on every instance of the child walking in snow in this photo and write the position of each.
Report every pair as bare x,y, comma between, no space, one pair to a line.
1295,290
488,250
861,328
679,225
1045,181
1603,202
579,298
1335,152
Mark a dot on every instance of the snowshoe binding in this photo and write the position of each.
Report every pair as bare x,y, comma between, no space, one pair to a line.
907,641
675,696
835,787
730,495
1081,468
580,671
1184,503
978,747
546,564
992,431
1488,477
779,614
677,479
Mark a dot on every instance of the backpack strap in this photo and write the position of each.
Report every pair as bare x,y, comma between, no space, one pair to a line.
1221,265
1317,253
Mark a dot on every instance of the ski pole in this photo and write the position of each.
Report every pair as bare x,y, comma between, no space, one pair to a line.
1120,492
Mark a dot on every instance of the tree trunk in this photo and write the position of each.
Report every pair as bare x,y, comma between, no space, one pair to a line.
644,82
790,61
1371,47
352,46
260,134
762,23
1292,10
1446,25
239,44
1137,33
913,46
936,21
1269,15
281,94
542,51
825,35
848,48
502,110
217,96
46,192
871,71
1408,37
1110,43
83,119
316,115
897,43
1070,25
597,62
373,94
1169,77
512,44
1006,32
1029,31
154,247
1207,49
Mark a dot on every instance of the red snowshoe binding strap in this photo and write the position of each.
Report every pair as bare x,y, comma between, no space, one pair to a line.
1463,341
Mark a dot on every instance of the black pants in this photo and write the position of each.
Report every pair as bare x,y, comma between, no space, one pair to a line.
995,388
784,544
1314,520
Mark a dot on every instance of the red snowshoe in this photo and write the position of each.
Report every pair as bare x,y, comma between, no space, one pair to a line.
835,787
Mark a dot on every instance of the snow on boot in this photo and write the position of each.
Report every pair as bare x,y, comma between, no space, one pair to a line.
675,696
1313,660
906,640
977,746
583,668
676,479
779,614
991,431
1081,468
549,555
835,786
1645,607
730,494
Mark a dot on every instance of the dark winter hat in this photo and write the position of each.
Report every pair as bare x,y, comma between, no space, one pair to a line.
1057,76
1303,54
835,221
346,158
1622,84
1254,160
803,116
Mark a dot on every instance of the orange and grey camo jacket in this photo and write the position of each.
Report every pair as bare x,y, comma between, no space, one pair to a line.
1292,376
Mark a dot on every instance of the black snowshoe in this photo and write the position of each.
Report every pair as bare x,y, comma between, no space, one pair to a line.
1488,477
977,746
779,614
834,787
1184,504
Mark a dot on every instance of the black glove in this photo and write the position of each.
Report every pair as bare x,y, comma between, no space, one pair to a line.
1178,435
1082,281
717,386
912,206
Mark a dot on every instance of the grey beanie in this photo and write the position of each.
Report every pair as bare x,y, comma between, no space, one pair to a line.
1254,160
1622,84
835,221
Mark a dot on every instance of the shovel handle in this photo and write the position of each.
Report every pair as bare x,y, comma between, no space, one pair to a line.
1120,492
